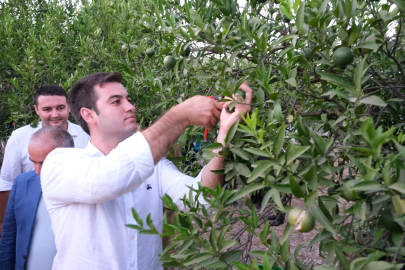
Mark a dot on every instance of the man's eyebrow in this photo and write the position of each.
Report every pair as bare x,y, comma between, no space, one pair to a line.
114,96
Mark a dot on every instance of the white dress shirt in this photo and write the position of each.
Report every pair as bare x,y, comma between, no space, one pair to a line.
89,197
16,158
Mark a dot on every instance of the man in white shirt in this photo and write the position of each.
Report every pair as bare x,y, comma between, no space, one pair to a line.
51,106
89,192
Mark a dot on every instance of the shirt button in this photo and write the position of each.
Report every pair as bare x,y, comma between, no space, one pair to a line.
132,265
132,238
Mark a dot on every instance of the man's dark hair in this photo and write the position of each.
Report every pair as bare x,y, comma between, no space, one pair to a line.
49,90
83,94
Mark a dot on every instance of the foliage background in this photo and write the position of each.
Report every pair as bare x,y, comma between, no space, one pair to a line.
313,125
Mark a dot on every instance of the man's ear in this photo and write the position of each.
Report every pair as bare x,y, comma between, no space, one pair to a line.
36,109
88,115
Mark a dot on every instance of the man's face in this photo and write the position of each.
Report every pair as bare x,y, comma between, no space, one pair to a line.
38,153
53,111
116,114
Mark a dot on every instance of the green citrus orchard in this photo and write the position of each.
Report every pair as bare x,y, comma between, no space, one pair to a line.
169,62
343,57
301,219
150,52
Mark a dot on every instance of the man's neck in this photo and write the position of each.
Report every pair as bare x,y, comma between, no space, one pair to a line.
105,145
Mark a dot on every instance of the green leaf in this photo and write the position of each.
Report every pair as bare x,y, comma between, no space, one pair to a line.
221,236
241,266
302,130
211,264
295,153
198,258
278,112
358,74
337,79
267,265
279,140
324,267
296,5
242,169
368,186
310,198
231,255
275,194
231,132
256,151
136,227
300,17
295,188
214,146
286,11
287,231
265,200
185,246
373,100
344,263
244,191
137,218
196,17
282,39
320,217
378,265
239,152
213,238
170,247
398,186
371,45
260,169
367,130
226,245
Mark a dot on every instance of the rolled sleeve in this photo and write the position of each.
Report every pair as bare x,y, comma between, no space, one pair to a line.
73,175
11,166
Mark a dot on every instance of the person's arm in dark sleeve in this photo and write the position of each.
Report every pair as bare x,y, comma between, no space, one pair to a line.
9,234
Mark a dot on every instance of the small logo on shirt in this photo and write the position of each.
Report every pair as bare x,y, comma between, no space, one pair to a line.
148,186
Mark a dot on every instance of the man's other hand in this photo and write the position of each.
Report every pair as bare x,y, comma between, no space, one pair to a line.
228,119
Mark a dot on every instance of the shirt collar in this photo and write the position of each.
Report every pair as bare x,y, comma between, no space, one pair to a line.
72,129
91,150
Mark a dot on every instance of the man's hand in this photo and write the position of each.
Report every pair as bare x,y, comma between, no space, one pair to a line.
210,179
196,111
228,119
201,111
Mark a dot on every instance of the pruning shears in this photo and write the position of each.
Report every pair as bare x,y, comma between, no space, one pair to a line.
206,130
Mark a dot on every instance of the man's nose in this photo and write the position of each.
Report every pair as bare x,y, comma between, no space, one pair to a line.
37,168
130,107
55,113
